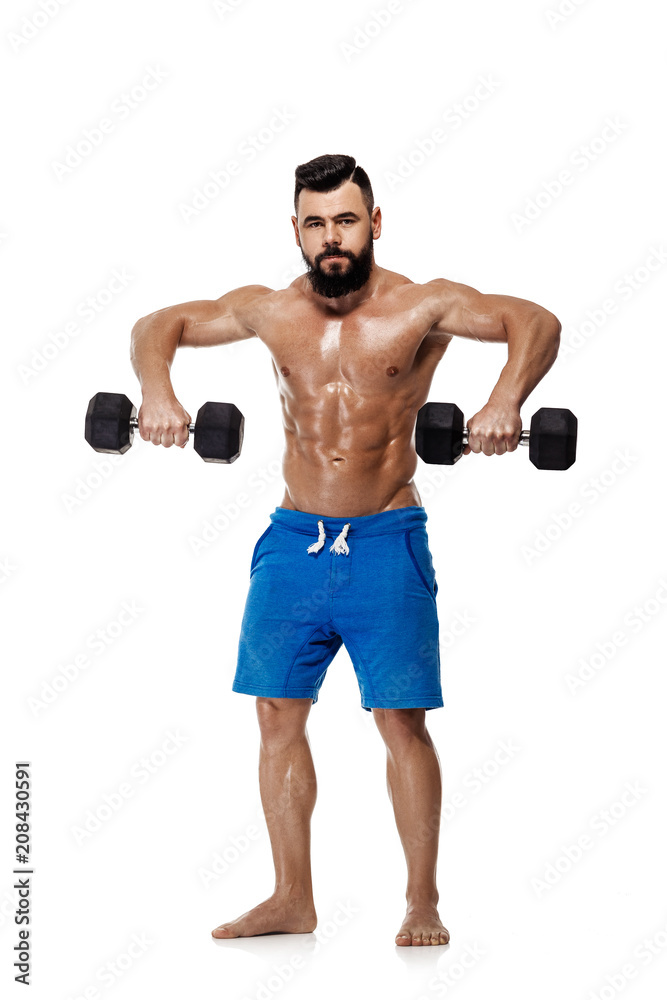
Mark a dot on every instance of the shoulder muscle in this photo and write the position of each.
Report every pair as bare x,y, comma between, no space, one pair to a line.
232,317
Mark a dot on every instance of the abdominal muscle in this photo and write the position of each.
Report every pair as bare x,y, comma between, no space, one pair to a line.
346,455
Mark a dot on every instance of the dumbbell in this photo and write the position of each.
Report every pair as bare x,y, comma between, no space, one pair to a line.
111,419
440,436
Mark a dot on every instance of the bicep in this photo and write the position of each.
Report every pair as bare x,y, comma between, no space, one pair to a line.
463,311
209,322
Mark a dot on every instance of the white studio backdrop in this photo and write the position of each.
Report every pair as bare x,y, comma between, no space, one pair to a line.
517,147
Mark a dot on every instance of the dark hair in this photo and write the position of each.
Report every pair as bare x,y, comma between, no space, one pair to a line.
328,172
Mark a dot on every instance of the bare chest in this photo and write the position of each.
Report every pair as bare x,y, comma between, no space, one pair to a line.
369,354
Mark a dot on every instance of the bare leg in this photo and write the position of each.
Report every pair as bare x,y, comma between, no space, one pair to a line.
415,790
288,789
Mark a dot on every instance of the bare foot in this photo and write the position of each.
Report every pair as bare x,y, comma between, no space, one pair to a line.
274,915
422,926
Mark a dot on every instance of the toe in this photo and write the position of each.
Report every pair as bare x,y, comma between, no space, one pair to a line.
222,932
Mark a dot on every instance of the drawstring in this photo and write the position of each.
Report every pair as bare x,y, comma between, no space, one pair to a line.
339,547
316,546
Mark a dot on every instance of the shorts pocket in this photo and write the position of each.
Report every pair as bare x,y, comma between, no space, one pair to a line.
417,545
256,550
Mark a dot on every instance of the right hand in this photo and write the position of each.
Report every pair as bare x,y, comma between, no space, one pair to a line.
162,420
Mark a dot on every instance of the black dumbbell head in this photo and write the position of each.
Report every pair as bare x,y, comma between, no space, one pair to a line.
439,433
553,439
108,422
219,432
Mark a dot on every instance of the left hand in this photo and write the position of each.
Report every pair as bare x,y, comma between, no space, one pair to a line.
495,429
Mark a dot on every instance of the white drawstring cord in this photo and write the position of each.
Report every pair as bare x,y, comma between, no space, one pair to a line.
316,546
339,547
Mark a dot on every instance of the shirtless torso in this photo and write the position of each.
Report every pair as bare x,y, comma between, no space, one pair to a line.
350,387
353,371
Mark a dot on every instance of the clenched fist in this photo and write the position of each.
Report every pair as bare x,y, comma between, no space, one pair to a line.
162,420
495,429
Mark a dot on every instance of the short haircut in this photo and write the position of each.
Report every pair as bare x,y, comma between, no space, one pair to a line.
328,172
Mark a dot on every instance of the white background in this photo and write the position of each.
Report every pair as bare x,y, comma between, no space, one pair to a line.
80,536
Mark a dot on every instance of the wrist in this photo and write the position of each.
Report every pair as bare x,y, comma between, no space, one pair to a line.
507,398
157,388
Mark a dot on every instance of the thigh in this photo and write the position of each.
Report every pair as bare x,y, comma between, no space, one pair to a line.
286,641
390,625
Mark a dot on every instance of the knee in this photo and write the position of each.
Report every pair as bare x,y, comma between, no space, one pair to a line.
400,725
282,719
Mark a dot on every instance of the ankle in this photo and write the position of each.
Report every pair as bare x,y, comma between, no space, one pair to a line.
293,892
421,899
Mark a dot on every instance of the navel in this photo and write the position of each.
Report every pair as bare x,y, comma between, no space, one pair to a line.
392,370
284,370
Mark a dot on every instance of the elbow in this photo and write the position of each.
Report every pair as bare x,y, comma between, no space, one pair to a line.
552,328
556,337
134,337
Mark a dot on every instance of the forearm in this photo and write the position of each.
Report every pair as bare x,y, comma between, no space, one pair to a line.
153,345
532,348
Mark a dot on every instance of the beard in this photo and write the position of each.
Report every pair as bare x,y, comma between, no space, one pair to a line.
334,282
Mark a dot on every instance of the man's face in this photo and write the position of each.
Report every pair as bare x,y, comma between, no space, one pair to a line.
336,237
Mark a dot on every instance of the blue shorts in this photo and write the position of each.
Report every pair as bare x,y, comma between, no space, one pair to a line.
378,598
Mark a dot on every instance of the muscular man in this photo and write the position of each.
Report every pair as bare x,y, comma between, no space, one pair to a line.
345,558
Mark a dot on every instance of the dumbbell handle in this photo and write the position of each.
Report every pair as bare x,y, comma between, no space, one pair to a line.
134,422
524,438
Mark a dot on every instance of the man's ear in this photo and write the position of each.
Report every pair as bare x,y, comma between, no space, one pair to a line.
295,223
376,222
